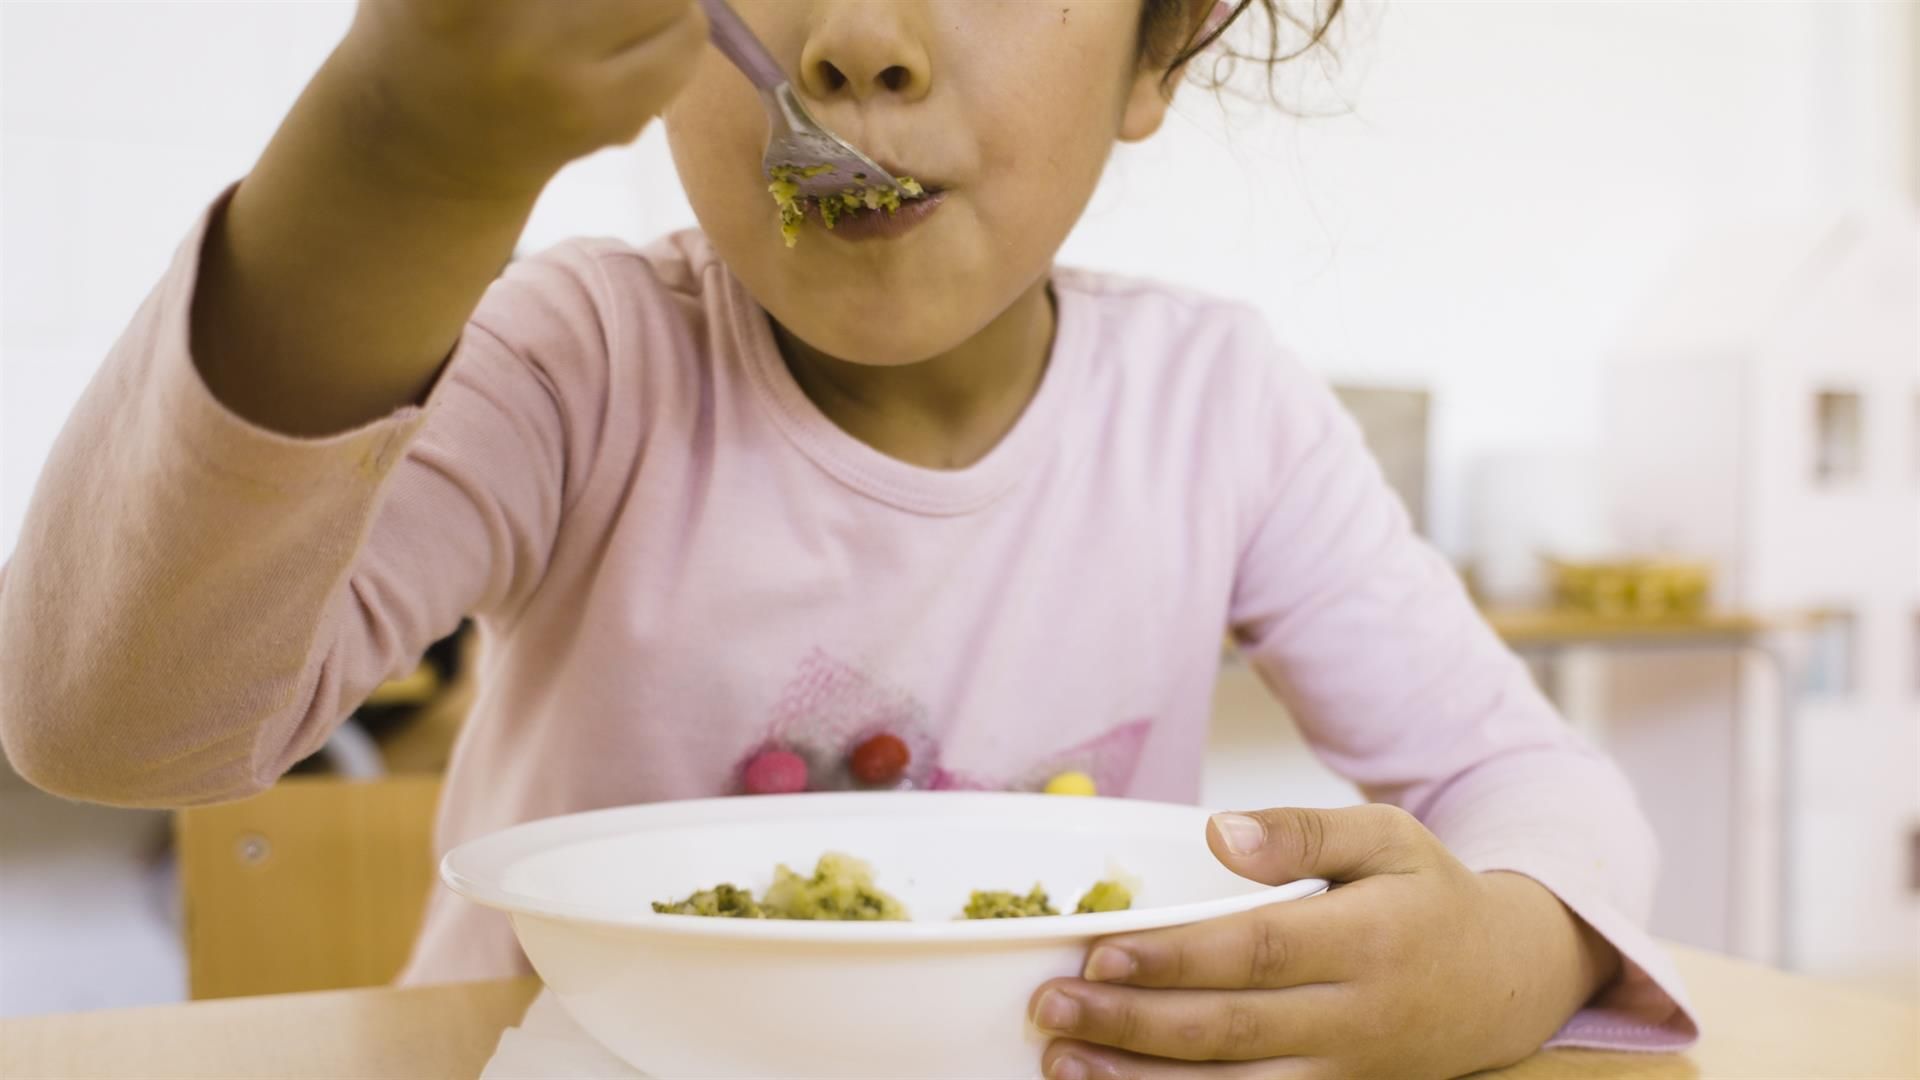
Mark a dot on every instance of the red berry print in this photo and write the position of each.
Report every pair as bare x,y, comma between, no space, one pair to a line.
776,772
881,759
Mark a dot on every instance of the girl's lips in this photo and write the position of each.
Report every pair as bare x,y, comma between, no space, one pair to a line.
878,224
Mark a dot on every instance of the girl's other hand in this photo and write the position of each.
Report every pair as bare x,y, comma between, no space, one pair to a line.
1411,966
490,98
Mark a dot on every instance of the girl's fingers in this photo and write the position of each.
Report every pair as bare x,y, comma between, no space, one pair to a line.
649,72
1344,844
1067,1059
1193,1025
1270,948
665,20
597,28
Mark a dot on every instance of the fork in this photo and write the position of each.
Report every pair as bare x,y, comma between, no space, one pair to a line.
798,141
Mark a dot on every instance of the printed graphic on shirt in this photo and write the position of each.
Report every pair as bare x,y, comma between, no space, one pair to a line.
1108,760
837,728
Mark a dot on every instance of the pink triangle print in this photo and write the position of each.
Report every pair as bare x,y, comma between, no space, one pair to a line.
829,707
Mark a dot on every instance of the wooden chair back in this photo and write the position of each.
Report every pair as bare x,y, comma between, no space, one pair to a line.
315,884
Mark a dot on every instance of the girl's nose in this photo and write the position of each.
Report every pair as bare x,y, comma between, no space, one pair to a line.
866,49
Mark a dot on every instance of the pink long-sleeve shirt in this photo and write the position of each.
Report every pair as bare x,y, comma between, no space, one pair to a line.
675,561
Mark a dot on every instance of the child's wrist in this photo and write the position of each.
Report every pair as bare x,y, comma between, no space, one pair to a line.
1588,961
406,148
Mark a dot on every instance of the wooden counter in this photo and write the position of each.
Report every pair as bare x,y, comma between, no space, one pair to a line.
1759,1022
1524,628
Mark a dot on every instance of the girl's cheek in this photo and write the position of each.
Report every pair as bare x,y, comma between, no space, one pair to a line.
716,151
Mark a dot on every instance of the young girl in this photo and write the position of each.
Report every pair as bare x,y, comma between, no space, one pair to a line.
726,510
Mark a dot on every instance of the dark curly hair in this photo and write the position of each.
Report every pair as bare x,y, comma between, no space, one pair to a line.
1170,36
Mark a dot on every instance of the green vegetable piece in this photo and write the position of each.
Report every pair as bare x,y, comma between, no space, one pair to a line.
986,904
1105,896
720,902
841,888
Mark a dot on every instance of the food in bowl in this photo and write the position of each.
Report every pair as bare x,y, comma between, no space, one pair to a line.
841,889
990,904
1105,896
719,902
860,195
745,999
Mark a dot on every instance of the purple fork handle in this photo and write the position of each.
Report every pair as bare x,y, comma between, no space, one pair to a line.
738,44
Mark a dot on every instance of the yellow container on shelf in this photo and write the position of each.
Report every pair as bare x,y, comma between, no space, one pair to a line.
1639,588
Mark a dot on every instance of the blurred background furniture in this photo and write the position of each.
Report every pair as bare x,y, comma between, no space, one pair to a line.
1762,414
409,724
1397,423
1761,783
315,884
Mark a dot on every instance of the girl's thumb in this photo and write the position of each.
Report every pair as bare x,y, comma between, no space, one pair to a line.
1281,845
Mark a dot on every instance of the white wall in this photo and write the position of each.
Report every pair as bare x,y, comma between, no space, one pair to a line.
1481,220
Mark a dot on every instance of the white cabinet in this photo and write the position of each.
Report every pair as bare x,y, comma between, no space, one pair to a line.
1765,414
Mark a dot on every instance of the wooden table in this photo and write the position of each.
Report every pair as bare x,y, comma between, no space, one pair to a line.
1759,1022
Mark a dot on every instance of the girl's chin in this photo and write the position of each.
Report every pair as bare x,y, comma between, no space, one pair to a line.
874,335
881,354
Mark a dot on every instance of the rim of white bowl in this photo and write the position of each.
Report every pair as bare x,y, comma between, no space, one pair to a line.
476,869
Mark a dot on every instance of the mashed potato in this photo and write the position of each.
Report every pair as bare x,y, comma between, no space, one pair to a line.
1105,896
840,888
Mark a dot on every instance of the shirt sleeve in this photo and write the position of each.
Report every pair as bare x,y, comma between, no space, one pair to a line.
1368,637
195,602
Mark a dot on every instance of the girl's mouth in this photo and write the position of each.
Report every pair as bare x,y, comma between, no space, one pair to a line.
878,224
868,211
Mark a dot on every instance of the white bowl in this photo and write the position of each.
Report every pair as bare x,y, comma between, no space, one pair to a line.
677,996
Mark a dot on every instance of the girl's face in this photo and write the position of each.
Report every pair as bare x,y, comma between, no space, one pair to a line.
1005,109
